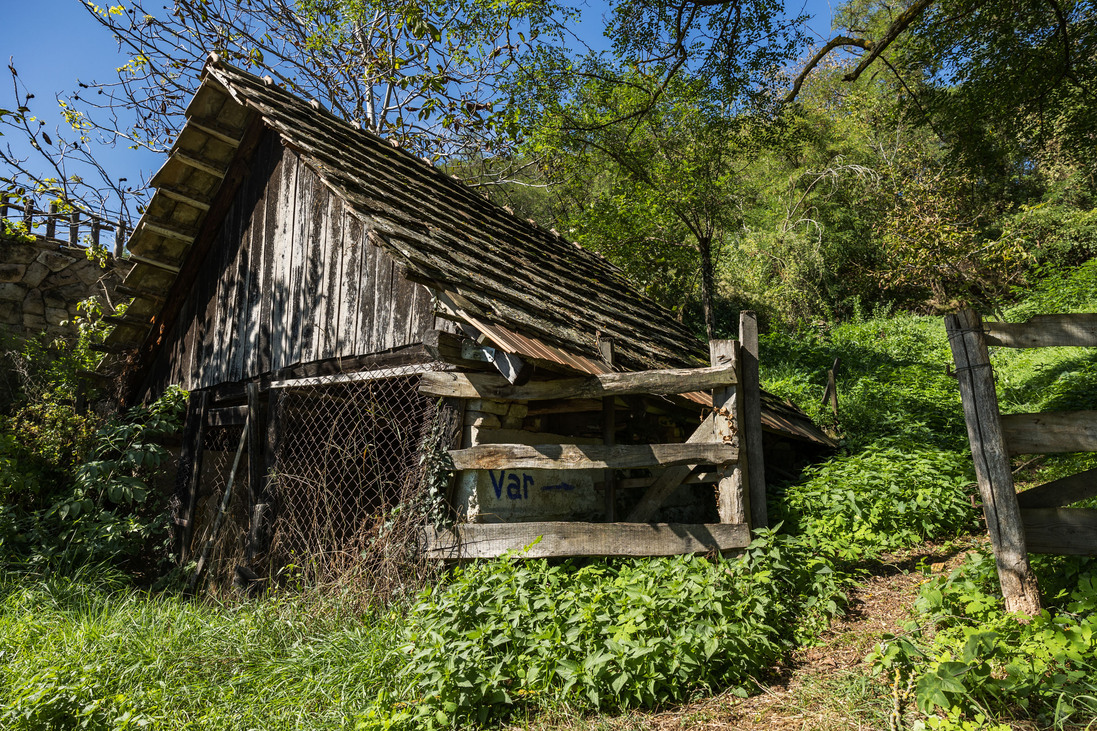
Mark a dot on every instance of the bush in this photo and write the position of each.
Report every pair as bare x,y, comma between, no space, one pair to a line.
885,497
613,635
965,656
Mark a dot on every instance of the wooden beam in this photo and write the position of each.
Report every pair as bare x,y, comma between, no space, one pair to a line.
558,540
750,428
589,456
1043,331
216,131
206,166
181,197
732,496
227,416
694,478
671,478
609,433
161,229
992,468
1051,432
1063,531
662,382
154,263
1060,493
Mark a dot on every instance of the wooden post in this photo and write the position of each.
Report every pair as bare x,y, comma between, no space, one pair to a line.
750,428
732,498
51,221
95,226
257,468
74,228
992,468
830,393
194,436
119,238
609,432
3,205
28,216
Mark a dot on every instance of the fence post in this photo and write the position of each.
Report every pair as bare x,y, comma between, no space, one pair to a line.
3,205
732,497
95,226
609,431
119,238
750,430
51,221
28,216
992,468
74,228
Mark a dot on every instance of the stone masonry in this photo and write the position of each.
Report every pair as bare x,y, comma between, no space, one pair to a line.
42,282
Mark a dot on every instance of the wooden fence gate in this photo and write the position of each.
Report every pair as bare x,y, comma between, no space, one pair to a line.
1037,520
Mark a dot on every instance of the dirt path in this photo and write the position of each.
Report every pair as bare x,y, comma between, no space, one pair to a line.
823,687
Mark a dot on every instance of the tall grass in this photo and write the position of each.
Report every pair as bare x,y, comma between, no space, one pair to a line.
86,652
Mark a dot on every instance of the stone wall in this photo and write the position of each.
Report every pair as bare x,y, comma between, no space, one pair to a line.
42,282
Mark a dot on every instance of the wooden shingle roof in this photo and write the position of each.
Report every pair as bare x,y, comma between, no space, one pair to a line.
501,270
527,289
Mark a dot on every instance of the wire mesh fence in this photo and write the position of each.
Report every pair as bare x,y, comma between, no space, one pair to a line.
358,468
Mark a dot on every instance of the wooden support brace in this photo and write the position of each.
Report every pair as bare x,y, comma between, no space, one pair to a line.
992,468
670,479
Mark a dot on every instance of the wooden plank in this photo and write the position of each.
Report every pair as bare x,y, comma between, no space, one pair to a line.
193,442
992,468
312,198
181,197
1051,432
589,457
732,496
660,382
282,267
272,193
1062,531
559,540
1060,493
671,478
750,427
1043,331
227,416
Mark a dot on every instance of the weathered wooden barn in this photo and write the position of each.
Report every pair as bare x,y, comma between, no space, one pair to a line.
347,315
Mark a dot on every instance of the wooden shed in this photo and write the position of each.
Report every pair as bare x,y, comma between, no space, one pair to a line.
348,317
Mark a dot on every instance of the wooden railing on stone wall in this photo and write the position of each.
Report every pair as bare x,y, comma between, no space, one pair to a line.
1037,520
65,224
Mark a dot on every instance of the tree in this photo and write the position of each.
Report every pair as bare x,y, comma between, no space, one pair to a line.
423,73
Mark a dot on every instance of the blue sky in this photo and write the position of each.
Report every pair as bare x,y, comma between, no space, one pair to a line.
55,43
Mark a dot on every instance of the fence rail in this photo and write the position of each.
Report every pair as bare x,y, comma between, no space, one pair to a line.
74,223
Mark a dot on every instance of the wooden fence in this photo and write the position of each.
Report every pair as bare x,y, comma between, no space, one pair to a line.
71,222
729,440
1037,520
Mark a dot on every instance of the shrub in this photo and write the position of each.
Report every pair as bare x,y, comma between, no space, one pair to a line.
608,635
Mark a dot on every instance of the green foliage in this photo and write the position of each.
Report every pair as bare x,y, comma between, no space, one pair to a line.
606,635
966,656
885,497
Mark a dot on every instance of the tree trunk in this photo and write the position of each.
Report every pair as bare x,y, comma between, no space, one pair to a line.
704,248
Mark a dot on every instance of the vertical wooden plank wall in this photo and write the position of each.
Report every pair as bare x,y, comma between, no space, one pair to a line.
292,278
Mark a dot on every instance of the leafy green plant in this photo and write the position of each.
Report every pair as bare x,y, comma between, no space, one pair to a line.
885,497
966,657
607,635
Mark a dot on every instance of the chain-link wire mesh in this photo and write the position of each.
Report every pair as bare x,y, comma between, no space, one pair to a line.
357,472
